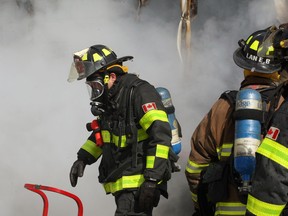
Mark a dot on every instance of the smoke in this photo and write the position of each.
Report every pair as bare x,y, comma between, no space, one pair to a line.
43,117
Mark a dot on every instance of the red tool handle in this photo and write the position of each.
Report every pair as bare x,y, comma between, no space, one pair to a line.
37,189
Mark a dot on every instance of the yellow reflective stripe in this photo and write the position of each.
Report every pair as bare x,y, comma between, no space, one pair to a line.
151,116
125,182
230,208
195,168
96,57
115,140
194,197
254,45
162,151
106,52
270,50
248,40
84,57
274,151
142,135
150,160
91,147
258,207
106,136
225,150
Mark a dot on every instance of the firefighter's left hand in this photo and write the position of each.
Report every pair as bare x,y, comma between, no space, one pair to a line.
77,170
148,196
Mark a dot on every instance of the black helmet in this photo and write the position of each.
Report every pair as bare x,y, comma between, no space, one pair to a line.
248,55
96,58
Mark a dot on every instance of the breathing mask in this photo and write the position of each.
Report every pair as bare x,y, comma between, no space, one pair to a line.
96,88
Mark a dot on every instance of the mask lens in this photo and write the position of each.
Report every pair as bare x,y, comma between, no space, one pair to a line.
95,88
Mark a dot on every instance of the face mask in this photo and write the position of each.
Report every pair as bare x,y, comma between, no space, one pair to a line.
95,88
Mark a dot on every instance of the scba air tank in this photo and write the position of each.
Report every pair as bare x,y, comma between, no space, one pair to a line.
247,134
174,124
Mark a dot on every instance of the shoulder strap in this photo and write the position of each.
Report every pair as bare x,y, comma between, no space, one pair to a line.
273,96
131,129
230,96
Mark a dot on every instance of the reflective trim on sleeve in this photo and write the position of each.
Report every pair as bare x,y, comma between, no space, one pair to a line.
125,182
258,207
230,208
150,160
225,150
195,168
92,148
151,116
274,151
194,197
162,151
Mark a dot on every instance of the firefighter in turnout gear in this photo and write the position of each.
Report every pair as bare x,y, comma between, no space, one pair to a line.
269,194
210,172
136,135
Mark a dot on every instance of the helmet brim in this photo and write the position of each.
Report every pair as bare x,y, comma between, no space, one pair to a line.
245,63
116,61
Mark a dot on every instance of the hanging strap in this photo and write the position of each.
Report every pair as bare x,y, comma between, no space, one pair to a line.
131,129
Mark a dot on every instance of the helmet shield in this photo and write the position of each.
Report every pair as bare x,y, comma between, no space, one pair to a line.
80,70
266,49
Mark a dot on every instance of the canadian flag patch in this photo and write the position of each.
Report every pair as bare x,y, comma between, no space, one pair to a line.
273,133
149,106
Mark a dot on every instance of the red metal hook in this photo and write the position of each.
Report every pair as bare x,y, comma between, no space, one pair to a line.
37,189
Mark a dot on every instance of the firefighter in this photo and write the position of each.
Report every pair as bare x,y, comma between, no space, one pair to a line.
269,194
135,131
210,173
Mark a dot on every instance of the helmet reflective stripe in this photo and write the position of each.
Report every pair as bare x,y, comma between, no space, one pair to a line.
96,57
106,52
248,40
85,57
254,45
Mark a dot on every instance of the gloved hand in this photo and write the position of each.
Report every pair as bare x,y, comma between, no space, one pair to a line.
148,196
77,170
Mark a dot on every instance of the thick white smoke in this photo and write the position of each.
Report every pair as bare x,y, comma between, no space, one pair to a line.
43,117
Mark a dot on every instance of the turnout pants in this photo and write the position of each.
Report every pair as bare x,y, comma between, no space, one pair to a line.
127,204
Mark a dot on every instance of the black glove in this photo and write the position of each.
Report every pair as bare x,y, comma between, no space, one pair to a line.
76,171
148,196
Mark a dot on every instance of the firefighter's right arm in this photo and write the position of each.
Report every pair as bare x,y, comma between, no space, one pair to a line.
89,151
87,154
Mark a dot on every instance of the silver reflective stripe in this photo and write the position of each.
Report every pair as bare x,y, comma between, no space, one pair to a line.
225,150
230,208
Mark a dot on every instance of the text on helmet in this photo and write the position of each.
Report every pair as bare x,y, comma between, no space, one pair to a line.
257,58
